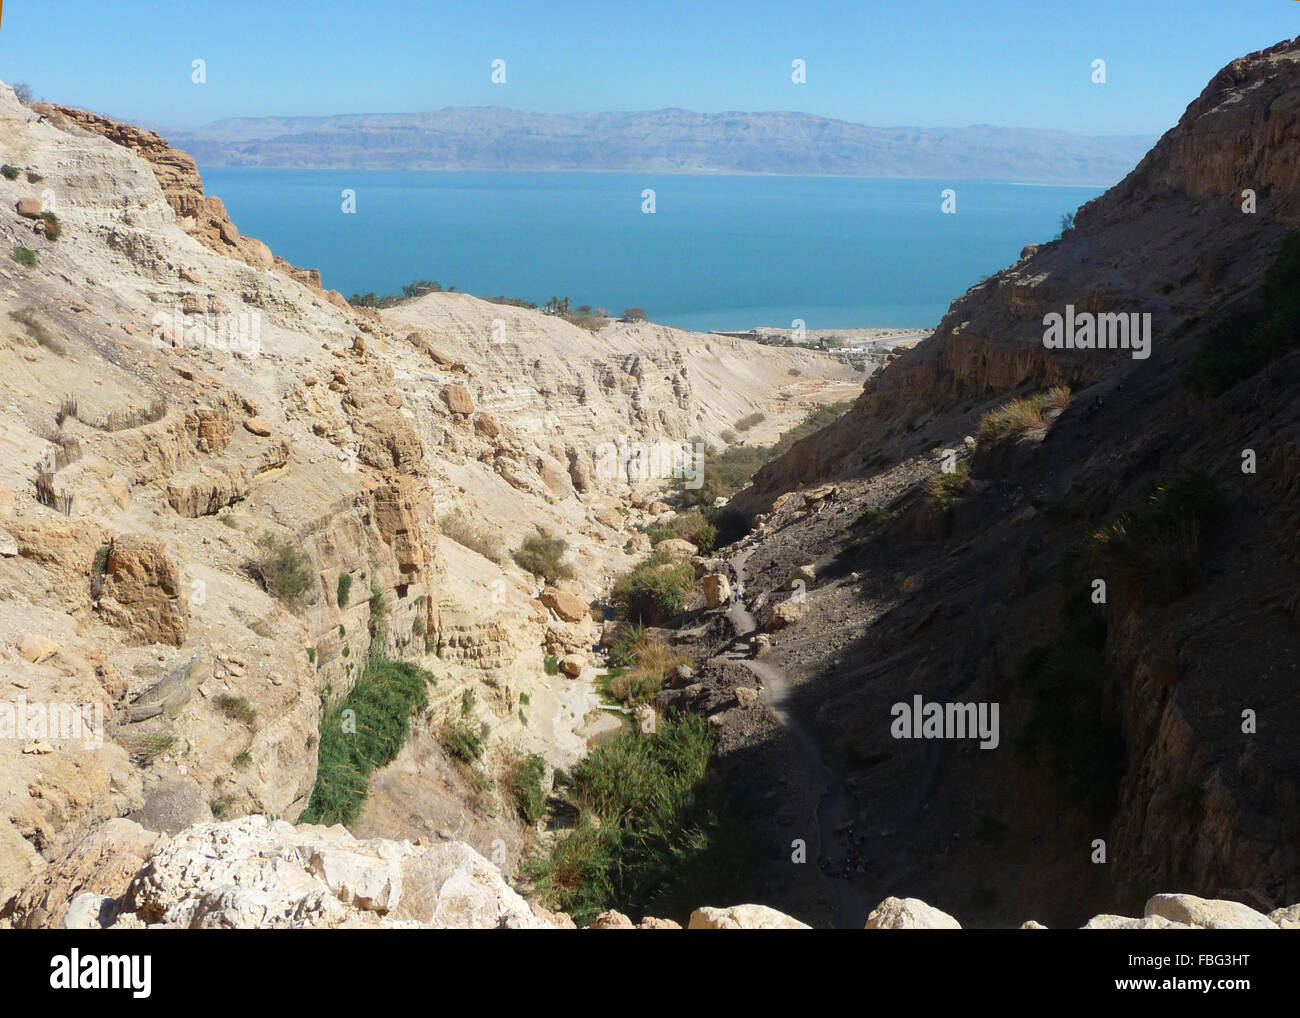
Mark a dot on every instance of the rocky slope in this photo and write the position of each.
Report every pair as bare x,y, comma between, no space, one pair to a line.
948,586
221,486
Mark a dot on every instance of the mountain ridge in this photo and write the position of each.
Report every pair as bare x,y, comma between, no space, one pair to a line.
670,140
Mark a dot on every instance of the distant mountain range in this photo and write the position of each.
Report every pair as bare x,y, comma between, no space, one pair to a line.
659,141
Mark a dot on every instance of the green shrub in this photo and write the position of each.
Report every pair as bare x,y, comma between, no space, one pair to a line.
53,228
236,708
345,589
750,421
622,651
1157,546
284,571
382,702
525,781
9,172
24,256
544,557
655,589
662,843
1246,342
945,488
551,664
465,741
148,748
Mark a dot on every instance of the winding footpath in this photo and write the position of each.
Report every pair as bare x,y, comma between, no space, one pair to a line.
835,809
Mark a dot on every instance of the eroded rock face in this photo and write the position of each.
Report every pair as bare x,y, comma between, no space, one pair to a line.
102,864
142,592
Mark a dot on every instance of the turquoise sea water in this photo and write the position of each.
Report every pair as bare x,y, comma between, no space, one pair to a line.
719,252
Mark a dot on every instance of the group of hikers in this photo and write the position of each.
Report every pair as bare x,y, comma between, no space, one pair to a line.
852,863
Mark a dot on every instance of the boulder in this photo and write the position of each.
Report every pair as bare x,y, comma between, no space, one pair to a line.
717,589
611,920
102,865
458,399
782,614
743,917
568,607
30,208
805,574
675,547
909,914
36,648
572,665
1207,914
258,426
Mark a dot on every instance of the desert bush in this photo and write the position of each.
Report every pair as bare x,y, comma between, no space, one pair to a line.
945,488
9,172
53,228
465,741
283,570
1013,417
544,557
1157,546
344,589
654,589
551,664
750,421
653,663
36,331
525,785
148,748
236,708
24,256
469,534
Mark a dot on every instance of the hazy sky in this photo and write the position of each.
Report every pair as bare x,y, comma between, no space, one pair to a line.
1016,63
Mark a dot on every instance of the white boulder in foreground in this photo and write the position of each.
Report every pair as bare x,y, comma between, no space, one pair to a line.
909,914
743,917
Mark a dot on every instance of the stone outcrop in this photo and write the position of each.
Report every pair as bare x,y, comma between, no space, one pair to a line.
909,914
251,873
743,917
142,592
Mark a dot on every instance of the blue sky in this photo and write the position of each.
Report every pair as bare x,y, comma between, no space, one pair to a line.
1016,63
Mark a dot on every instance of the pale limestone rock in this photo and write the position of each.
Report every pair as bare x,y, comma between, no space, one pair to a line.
36,648
1119,922
251,873
782,614
611,920
1207,914
909,914
571,665
743,917
677,548
569,607
717,589
1288,918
